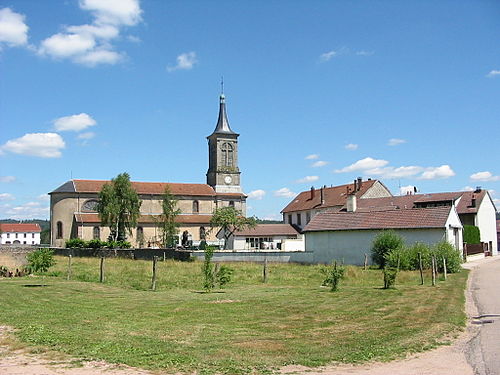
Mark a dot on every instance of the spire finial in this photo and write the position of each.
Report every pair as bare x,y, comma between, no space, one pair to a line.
222,85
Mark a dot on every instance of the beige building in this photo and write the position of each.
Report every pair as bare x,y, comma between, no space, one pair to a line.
73,204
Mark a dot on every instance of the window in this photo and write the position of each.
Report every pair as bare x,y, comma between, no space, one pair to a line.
17,235
289,219
299,219
32,242
308,217
196,207
140,236
8,235
203,233
231,203
24,242
96,233
227,154
59,231
32,235
25,235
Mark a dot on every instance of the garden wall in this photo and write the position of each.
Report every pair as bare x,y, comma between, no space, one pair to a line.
14,257
258,256
143,254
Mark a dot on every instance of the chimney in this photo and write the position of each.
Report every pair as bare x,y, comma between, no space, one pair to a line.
355,185
360,182
351,203
312,192
473,201
322,195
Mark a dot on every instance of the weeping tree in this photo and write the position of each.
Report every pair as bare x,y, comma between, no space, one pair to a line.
166,223
119,207
230,220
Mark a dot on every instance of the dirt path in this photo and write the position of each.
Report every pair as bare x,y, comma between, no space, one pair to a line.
446,360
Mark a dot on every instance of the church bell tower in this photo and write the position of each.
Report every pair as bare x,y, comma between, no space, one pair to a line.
223,173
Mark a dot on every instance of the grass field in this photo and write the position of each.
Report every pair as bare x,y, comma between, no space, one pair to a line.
247,327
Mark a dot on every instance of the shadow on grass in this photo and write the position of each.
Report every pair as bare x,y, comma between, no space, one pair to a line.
34,285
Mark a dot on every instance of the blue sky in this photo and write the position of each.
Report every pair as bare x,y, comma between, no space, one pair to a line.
321,92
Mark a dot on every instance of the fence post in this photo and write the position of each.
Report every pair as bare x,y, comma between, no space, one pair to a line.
101,271
69,267
164,256
445,271
153,279
420,266
366,262
433,260
264,271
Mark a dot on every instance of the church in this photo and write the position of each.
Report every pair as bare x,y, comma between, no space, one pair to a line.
73,204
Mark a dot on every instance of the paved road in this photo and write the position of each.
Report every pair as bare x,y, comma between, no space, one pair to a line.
484,349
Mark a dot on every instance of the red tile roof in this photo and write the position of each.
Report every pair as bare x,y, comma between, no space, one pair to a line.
147,219
268,230
333,196
8,227
417,218
146,188
465,206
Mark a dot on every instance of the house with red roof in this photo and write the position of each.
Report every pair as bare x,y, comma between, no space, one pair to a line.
19,234
73,205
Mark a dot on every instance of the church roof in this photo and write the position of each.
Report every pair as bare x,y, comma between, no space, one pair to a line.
222,126
154,188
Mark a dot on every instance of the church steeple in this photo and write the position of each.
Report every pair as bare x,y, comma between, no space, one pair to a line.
223,173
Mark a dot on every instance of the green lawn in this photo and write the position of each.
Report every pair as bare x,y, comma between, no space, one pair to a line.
247,327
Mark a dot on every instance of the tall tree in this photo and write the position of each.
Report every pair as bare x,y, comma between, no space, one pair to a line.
166,222
230,220
119,207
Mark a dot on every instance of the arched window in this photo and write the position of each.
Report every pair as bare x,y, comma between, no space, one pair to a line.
140,236
227,154
59,233
203,233
97,233
231,203
196,207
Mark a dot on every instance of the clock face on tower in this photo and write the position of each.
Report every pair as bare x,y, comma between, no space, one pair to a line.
228,179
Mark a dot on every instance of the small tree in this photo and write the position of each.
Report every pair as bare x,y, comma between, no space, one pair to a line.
333,275
166,221
385,241
472,235
40,260
230,220
119,207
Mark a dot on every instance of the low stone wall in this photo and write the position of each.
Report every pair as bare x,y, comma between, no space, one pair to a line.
143,254
14,257
258,256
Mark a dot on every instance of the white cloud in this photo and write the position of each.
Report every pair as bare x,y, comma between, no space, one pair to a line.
257,194
327,56
493,73
484,176
185,61
44,145
403,190
312,157
467,188
13,30
433,173
365,53
284,193
30,210
319,163
134,39
307,179
43,197
395,141
6,197
392,172
7,179
351,146
90,44
496,202
74,122
86,136
363,164
272,217
114,12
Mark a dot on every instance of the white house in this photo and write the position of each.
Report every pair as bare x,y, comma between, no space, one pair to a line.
348,236
266,237
20,234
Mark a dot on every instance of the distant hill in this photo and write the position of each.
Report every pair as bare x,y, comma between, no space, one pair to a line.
263,221
44,224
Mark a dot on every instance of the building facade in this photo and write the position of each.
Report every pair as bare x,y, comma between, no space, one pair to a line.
73,204
19,234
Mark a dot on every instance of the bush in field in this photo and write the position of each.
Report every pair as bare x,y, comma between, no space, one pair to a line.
76,243
223,275
447,251
333,275
40,260
390,274
385,241
406,258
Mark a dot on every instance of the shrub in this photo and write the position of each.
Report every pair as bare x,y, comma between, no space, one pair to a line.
224,275
333,275
96,244
40,260
118,244
390,274
76,243
447,251
208,271
472,234
385,241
